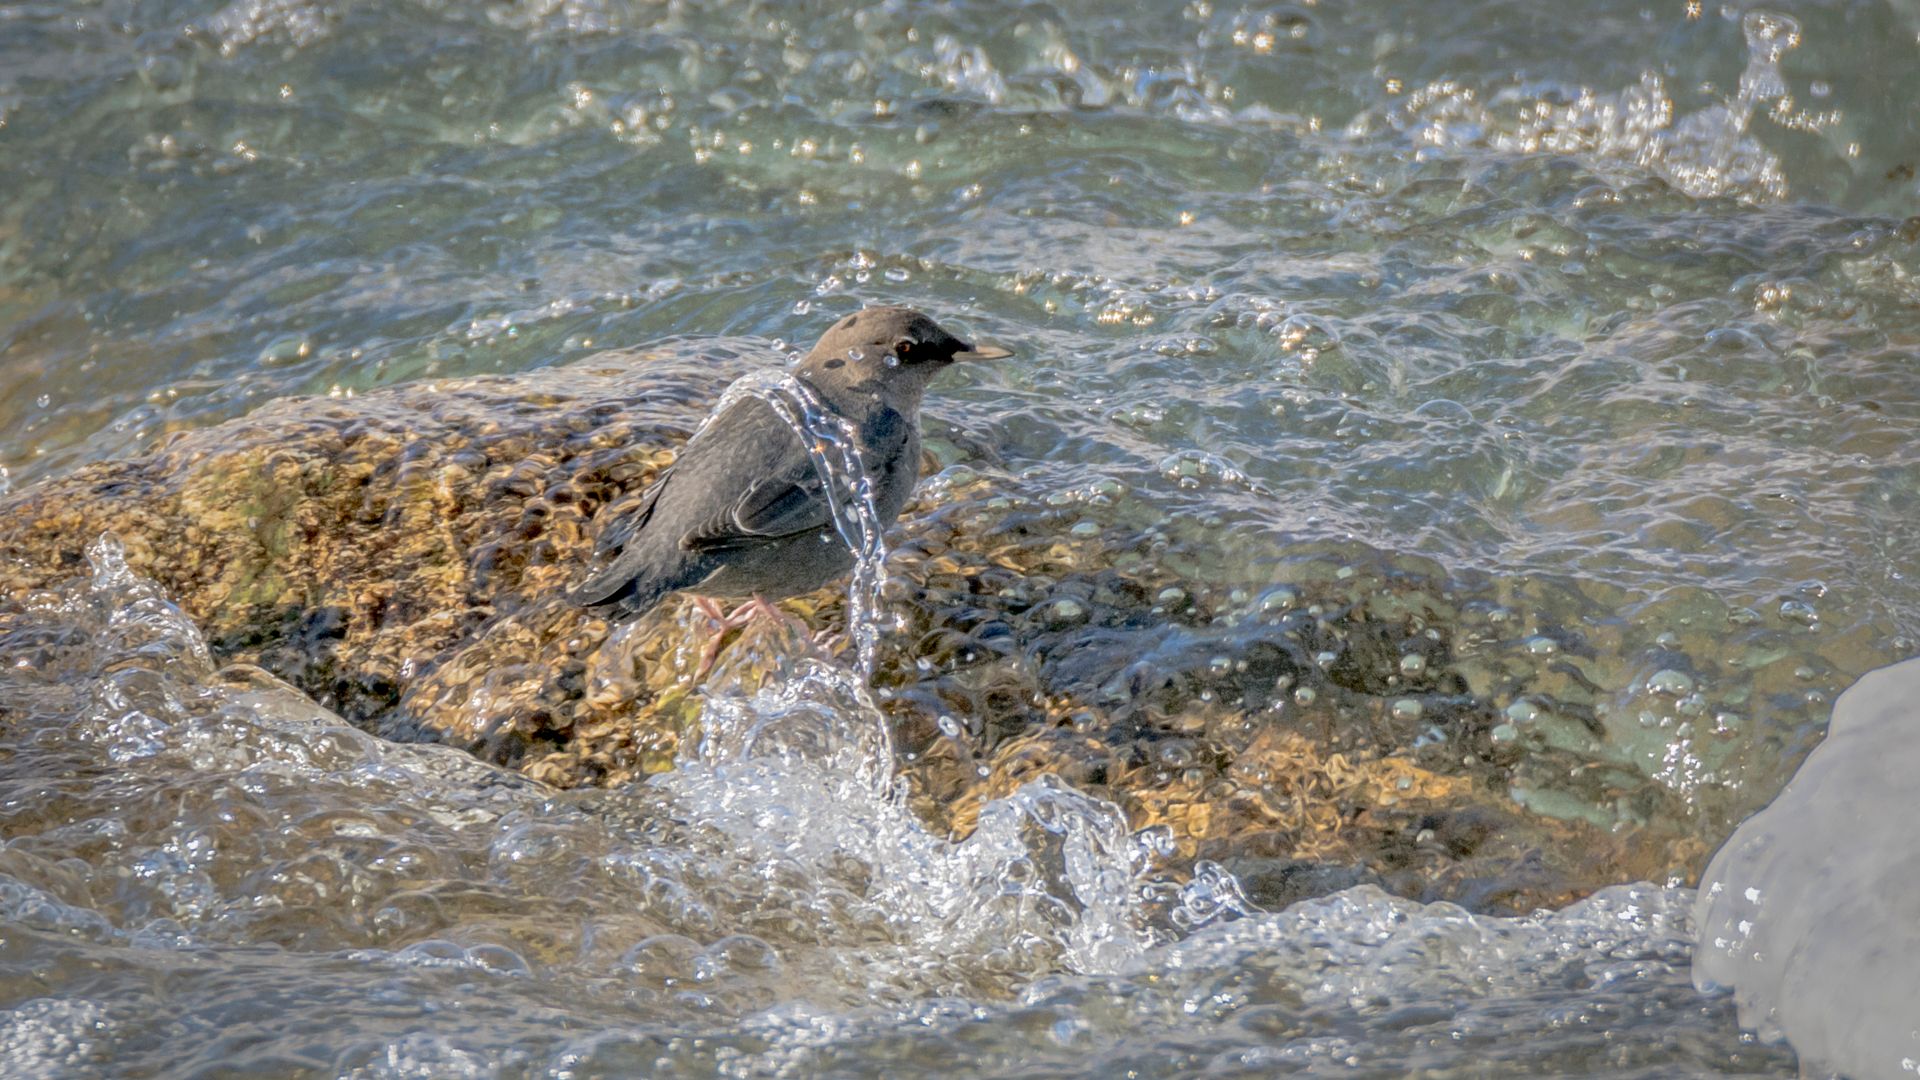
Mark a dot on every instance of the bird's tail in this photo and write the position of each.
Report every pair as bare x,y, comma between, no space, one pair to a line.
623,587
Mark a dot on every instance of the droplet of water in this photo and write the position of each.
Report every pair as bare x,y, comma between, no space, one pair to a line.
1799,611
285,349
1523,712
1067,612
1670,682
1277,600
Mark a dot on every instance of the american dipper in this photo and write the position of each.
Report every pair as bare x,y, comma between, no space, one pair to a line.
742,512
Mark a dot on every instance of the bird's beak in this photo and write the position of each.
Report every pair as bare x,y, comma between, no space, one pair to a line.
983,352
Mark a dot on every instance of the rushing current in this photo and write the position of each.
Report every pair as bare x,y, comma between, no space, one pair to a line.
1602,317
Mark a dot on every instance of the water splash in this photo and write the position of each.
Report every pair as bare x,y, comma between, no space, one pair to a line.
299,22
1704,154
1709,152
49,1037
1049,877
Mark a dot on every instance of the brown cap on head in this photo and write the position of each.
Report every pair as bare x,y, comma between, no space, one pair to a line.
880,339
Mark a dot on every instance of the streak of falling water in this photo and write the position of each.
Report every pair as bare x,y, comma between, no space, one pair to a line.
833,442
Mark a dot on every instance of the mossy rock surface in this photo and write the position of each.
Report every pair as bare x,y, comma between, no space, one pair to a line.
402,556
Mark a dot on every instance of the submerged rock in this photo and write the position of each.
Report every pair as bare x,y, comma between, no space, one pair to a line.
402,556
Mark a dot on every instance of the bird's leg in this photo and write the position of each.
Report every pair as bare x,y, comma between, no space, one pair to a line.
757,607
723,622
762,606
708,654
829,640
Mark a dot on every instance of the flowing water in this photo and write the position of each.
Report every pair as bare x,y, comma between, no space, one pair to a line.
1603,314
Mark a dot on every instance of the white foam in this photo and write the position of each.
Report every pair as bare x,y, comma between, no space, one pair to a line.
48,1038
1049,878
1706,153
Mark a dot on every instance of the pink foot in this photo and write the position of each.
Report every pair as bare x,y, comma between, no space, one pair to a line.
758,607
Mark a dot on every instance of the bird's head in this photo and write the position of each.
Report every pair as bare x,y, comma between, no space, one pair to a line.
893,350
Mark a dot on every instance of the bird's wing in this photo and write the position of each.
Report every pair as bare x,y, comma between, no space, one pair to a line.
618,535
627,569
791,500
703,468
747,453
714,469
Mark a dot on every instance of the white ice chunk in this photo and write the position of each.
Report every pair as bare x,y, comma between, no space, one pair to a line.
1811,911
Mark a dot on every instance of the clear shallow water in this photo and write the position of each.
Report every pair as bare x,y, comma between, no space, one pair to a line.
1311,283
205,871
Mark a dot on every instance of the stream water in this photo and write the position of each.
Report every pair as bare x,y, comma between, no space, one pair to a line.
1605,312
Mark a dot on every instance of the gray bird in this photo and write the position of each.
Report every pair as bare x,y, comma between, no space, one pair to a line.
742,513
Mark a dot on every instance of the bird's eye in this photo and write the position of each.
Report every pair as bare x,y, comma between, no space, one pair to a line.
902,347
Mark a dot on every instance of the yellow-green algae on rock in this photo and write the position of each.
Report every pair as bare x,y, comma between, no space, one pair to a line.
355,546
402,555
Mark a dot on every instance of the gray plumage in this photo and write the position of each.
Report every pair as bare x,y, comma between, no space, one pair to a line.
742,512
